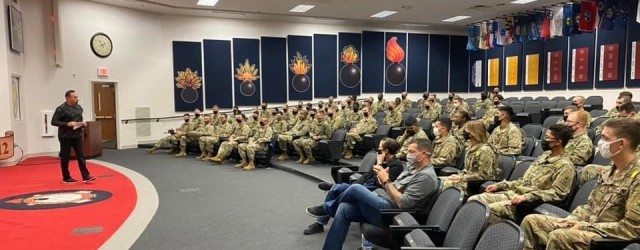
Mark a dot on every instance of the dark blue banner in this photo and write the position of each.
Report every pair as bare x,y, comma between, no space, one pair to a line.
633,37
609,37
533,48
395,72
584,40
373,61
300,57
218,73
350,64
559,43
459,66
418,66
325,49
274,69
439,63
246,68
187,76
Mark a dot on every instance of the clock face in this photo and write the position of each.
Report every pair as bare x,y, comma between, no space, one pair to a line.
101,45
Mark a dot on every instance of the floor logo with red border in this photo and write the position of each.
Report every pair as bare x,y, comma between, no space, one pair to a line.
53,199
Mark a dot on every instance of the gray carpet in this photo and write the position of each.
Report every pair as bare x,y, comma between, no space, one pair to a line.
219,207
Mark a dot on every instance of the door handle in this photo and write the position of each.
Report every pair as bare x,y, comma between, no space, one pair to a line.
99,117
108,117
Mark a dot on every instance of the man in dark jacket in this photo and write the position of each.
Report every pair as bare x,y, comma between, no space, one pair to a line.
68,119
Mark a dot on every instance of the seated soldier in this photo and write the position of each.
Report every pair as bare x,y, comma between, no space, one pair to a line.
399,105
192,136
300,129
425,97
406,102
380,105
175,135
393,117
612,208
414,188
507,137
344,112
412,131
458,105
494,93
565,113
207,143
198,121
623,97
460,120
548,179
428,112
294,118
622,100
481,162
279,124
367,125
240,134
320,129
580,148
265,111
449,106
492,112
331,103
579,101
436,105
215,116
253,121
259,142
386,158
334,120
446,148
484,103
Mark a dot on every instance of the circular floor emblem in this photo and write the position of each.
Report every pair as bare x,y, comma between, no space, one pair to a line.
53,199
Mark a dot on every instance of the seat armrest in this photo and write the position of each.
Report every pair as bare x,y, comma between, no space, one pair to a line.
447,171
425,228
609,243
485,185
551,210
476,186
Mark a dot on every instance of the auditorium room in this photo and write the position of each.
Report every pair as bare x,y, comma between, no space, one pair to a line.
320,124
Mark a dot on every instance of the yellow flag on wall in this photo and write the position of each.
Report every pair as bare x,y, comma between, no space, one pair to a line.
512,71
532,69
494,72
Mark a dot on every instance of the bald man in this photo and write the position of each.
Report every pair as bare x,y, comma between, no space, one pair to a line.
578,101
580,148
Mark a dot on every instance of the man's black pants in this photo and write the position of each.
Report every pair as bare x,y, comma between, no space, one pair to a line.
65,150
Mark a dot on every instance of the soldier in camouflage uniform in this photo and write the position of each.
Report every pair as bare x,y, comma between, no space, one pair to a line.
294,118
548,179
279,124
320,130
354,114
579,101
253,122
460,120
367,125
428,112
259,142
300,129
399,105
481,162
334,120
420,102
580,148
393,117
345,111
198,121
215,116
207,143
205,130
241,133
446,148
265,111
406,102
458,105
492,112
507,138
625,110
494,93
174,138
412,131
435,104
612,209
483,103
331,103
380,105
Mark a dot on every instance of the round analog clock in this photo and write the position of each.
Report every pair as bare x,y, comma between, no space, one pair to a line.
101,45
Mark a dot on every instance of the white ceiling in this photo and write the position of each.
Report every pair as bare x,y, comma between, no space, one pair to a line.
412,14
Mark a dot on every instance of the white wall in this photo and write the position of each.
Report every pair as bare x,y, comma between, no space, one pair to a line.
141,62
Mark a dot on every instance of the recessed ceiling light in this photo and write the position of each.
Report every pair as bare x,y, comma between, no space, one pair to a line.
523,1
384,13
415,25
301,8
455,19
207,2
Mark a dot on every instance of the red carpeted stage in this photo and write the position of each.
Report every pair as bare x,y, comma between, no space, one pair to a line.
38,211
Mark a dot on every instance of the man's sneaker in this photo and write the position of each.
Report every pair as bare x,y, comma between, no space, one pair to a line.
316,211
90,179
314,229
69,180
325,186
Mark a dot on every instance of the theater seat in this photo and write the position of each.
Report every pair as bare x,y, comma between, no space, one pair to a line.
593,102
579,198
342,174
371,141
517,173
533,130
263,158
331,150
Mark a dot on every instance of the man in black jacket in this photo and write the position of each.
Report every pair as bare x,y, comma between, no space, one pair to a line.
386,157
68,119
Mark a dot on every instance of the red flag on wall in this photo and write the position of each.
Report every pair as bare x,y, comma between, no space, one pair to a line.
635,60
579,67
588,16
609,62
554,67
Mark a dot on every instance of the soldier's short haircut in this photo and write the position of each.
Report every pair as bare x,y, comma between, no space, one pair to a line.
500,97
464,115
572,108
224,115
391,145
626,93
457,97
320,112
561,132
625,128
508,110
69,92
411,121
186,114
625,99
423,144
445,122
628,108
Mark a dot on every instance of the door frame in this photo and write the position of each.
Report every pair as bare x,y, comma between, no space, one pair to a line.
117,108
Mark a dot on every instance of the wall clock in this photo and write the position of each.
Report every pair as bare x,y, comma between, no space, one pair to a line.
101,45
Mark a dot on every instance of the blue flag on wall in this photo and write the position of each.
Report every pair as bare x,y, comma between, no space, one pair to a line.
622,9
536,26
607,14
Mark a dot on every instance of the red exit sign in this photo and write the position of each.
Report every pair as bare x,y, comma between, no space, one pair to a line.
103,72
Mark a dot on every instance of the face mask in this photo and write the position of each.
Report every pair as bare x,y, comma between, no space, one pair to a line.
411,159
450,98
545,145
330,115
404,97
436,132
379,98
425,96
264,107
618,108
390,108
496,103
215,112
355,109
299,106
285,110
496,119
565,117
466,135
186,120
255,117
343,107
427,107
308,108
197,115
312,115
483,97
348,102
366,114
294,112
605,149
262,123
320,106
239,120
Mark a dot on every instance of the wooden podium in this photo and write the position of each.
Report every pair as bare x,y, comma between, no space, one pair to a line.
92,141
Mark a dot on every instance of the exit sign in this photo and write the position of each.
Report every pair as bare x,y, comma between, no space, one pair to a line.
103,72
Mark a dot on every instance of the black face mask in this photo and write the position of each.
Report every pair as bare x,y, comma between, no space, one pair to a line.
390,108
466,135
197,115
215,112
545,145
427,107
262,123
299,106
239,120
264,107
404,97
618,108
308,108
273,114
330,115
379,98
255,117
343,107
186,120
450,98
565,117
294,112
496,103
320,106
483,97
326,109
285,110
425,96
355,109
496,119
312,115
366,114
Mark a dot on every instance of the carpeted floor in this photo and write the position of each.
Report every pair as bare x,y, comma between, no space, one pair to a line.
203,206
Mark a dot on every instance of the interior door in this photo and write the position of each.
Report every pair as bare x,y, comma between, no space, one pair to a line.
104,106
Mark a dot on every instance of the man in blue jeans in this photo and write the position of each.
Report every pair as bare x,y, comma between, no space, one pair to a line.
386,157
413,189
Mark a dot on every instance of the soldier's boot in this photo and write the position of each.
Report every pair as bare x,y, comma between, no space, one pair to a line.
202,155
208,156
301,160
242,164
249,167
283,156
152,150
310,160
182,154
348,155
172,151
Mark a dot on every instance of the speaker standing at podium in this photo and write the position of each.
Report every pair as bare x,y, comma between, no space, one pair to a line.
68,119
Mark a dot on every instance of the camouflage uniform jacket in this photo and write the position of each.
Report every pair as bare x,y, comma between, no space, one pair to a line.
185,127
322,129
405,140
242,133
379,106
445,151
206,130
197,123
489,116
508,141
456,131
613,209
481,163
549,178
263,135
486,104
279,127
336,122
393,118
406,103
216,119
223,130
579,149
301,128
367,126
430,114
437,107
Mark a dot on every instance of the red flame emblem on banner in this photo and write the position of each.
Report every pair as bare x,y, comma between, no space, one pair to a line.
395,53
